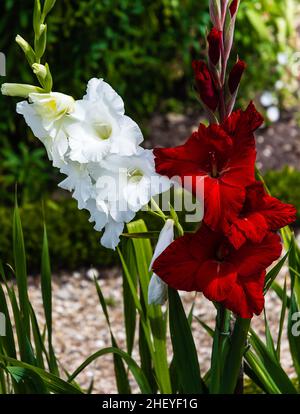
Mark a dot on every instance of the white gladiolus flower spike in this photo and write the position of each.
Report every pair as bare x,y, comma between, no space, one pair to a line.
99,125
96,146
158,290
45,115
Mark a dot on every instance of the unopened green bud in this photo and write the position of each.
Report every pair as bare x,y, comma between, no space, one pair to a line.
41,41
48,81
17,89
37,17
48,6
39,70
27,49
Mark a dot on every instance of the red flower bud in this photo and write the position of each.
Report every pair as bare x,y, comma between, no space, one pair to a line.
205,85
215,39
235,76
233,7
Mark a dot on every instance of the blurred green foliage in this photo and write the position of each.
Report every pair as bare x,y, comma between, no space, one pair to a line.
72,241
285,185
142,47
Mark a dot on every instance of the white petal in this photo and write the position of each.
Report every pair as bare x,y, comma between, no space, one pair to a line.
157,291
85,147
127,142
99,90
33,120
166,237
111,236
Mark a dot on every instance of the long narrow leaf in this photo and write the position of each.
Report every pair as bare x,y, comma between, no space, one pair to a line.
132,365
185,354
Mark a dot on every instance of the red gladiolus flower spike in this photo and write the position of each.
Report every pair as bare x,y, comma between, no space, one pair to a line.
261,213
215,39
206,262
221,155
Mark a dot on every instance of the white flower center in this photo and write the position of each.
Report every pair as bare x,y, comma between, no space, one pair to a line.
103,130
135,175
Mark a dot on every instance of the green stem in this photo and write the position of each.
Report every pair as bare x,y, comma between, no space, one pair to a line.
218,351
235,356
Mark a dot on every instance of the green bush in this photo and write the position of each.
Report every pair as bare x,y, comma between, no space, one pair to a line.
285,185
142,47
73,242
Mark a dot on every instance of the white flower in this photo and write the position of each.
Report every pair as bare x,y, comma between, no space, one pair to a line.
158,290
99,125
45,115
123,186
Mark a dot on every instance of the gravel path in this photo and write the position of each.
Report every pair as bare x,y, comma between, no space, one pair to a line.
79,327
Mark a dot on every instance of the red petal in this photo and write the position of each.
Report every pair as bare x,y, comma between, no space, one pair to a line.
247,298
222,202
184,160
253,258
253,227
189,264
216,280
261,214
278,214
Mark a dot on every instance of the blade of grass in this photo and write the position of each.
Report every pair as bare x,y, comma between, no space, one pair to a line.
29,378
185,354
52,382
132,365
273,367
21,269
120,372
273,273
47,299
281,321
128,302
143,254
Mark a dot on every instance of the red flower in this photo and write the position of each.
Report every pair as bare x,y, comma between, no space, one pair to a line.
215,39
261,213
221,155
206,262
205,85
235,76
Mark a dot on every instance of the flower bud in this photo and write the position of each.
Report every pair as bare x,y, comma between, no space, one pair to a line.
39,70
205,85
215,13
37,15
233,7
27,49
48,6
16,89
158,290
215,39
40,44
235,76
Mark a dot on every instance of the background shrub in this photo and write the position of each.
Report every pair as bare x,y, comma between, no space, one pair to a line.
72,241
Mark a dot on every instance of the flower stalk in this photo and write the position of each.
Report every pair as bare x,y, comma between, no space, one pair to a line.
235,355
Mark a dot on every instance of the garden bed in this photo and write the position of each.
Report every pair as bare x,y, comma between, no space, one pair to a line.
79,326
